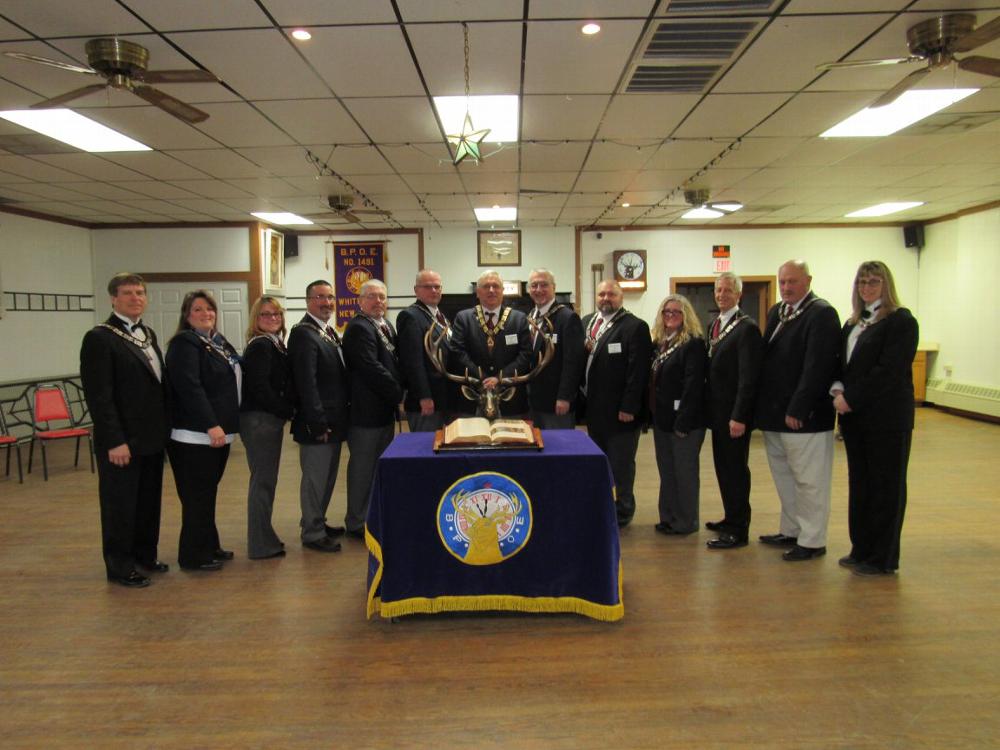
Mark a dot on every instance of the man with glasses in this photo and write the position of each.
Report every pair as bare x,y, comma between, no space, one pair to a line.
616,375
321,413
552,395
426,389
491,341
795,410
376,390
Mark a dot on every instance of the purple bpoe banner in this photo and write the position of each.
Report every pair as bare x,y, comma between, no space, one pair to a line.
354,263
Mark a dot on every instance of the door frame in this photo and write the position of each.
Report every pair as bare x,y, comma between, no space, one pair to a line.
767,299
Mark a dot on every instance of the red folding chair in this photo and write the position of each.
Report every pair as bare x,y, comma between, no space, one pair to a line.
50,405
8,441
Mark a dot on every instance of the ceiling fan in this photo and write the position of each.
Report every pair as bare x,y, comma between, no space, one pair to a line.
935,41
703,208
343,206
122,64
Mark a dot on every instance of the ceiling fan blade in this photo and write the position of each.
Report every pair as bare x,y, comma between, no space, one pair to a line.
867,63
978,37
349,216
896,91
51,63
988,66
58,101
179,76
169,104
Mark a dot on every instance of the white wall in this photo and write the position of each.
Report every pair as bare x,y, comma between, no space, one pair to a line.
960,275
833,256
43,257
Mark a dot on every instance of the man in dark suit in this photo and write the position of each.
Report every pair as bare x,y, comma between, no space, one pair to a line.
376,390
616,375
492,341
795,410
121,368
734,355
426,388
552,395
321,413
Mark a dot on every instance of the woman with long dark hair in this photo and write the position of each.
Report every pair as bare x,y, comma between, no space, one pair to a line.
264,410
874,398
204,374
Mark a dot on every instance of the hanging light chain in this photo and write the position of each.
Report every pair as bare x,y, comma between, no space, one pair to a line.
465,33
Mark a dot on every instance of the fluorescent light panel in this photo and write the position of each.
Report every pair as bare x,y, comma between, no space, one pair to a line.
883,209
702,213
283,218
909,108
78,131
498,113
496,213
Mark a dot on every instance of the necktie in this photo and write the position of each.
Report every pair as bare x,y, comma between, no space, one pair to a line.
490,319
332,333
441,319
136,327
598,320
715,327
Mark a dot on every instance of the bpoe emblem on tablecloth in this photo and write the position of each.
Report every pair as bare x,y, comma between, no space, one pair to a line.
484,518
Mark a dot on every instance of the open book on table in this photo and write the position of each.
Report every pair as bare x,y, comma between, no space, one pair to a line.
480,431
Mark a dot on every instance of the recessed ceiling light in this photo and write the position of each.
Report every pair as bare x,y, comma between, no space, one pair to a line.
498,113
69,127
496,213
909,108
702,213
590,28
882,209
279,217
302,35
626,205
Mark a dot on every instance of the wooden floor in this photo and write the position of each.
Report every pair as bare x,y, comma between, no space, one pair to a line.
736,649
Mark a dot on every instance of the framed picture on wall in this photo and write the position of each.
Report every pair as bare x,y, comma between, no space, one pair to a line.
274,262
499,248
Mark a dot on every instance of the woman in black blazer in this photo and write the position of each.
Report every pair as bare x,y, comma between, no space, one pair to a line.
874,398
204,374
264,410
676,402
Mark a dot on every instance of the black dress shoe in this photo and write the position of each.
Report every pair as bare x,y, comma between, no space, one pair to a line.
715,525
779,540
864,569
848,562
157,566
133,580
222,554
665,528
355,533
326,544
797,553
726,541
214,565
334,531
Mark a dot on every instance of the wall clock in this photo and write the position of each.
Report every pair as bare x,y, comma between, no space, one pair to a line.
630,269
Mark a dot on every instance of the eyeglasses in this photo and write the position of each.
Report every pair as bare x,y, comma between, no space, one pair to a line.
872,282
435,287
269,315
323,297
670,313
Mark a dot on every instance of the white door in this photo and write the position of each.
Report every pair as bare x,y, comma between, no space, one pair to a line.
164,308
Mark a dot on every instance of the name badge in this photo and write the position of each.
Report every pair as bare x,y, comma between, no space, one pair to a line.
555,338
615,348
510,339
677,405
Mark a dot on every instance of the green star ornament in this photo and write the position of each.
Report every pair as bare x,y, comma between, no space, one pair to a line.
467,142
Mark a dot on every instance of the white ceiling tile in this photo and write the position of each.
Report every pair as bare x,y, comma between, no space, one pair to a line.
395,201
687,154
435,201
498,182
345,60
468,10
590,9
561,60
646,115
315,12
197,14
560,181
729,115
659,179
239,125
209,188
434,183
810,114
151,126
610,182
548,157
379,183
95,166
396,120
259,64
280,161
494,57
92,18
612,156
561,117
414,157
263,187
313,120
152,189
759,152
156,165
221,163
58,192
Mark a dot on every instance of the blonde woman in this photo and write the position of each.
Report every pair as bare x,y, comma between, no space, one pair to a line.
264,410
874,398
677,384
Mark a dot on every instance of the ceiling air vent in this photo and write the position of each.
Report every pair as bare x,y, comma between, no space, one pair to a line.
709,6
701,40
675,78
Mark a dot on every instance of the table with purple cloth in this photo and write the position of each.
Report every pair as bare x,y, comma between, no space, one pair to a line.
482,530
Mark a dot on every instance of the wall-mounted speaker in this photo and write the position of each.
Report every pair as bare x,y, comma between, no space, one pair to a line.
913,235
291,245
